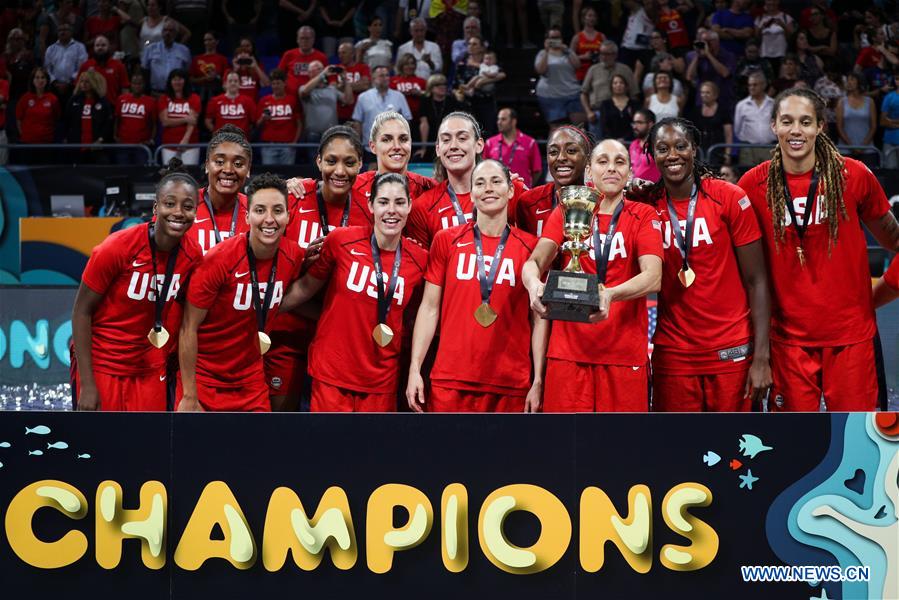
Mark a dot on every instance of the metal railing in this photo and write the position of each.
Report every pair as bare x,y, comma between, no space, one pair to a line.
841,147
63,147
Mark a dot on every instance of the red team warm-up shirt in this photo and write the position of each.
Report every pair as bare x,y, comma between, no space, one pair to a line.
433,210
179,108
136,118
713,313
471,357
418,185
303,228
227,343
38,116
237,111
121,270
828,303
622,338
535,207
249,83
282,126
203,229
344,353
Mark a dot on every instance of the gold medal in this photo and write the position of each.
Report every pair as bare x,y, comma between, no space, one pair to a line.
265,342
383,334
485,315
158,338
686,276
801,254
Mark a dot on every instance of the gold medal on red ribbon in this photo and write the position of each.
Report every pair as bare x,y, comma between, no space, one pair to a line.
383,334
265,342
801,254
686,276
485,315
158,338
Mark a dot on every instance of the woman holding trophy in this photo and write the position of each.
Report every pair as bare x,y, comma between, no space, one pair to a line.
490,340
601,365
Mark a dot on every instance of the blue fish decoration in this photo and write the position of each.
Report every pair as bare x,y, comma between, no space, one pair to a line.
5,444
58,446
83,456
40,430
35,453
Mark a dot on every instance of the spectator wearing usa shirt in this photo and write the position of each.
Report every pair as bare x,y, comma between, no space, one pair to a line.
37,112
231,107
164,56
514,148
135,122
246,65
179,111
408,83
358,74
63,59
112,70
295,62
279,121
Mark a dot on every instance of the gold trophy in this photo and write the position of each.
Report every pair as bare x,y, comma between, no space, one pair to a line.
571,294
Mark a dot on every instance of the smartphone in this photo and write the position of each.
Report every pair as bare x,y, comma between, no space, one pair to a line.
244,61
699,45
336,69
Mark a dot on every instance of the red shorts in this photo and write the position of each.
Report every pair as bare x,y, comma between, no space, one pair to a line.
129,393
285,370
330,398
721,392
844,375
252,397
443,399
585,387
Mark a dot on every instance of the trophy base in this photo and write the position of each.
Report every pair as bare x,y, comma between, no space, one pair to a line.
571,296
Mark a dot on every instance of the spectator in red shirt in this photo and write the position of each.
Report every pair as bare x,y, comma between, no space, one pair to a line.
135,122
112,70
279,121
230,107
105,23
406,82
36,115
295,62
246,65
89,118
207,70
179,111
357,73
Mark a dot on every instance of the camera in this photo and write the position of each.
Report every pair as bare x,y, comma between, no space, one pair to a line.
336,69
244,61
555,43
699,45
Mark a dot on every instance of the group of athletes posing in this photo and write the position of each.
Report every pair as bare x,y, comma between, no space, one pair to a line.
237,297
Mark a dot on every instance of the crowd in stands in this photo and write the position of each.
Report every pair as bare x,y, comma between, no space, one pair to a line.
169,72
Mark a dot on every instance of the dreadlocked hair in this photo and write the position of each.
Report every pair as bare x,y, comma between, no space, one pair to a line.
828,165
701,170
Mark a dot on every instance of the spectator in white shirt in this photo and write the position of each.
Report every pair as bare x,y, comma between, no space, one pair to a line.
62,60
774,27
752,121
426,52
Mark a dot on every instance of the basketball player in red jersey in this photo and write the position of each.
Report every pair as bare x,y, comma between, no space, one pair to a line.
488,333
323,208
124,308
823,313
886,289
603,365
566,156
229,302
222,209
370,277
708,355
459,144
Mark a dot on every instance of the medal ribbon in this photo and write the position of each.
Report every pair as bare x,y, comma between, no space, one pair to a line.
514,150
456,206
161,295
259,305
385,297
683,245
215,227
484,279
323,212
601,250
811,200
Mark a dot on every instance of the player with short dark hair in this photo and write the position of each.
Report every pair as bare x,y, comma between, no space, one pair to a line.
231,300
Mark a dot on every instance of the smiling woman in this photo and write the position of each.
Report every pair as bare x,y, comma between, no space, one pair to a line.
125,306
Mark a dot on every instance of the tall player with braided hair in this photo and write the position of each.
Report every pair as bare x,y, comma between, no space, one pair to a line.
811,203
567,151
711,343
125,307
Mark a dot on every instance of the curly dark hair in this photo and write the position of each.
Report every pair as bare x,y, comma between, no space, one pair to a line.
265,181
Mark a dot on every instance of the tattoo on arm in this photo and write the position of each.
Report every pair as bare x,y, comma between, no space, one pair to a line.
890,228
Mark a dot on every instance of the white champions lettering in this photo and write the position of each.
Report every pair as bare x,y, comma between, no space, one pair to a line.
453,220
701,234
618,249
362,280
467,269
243,295
144,285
